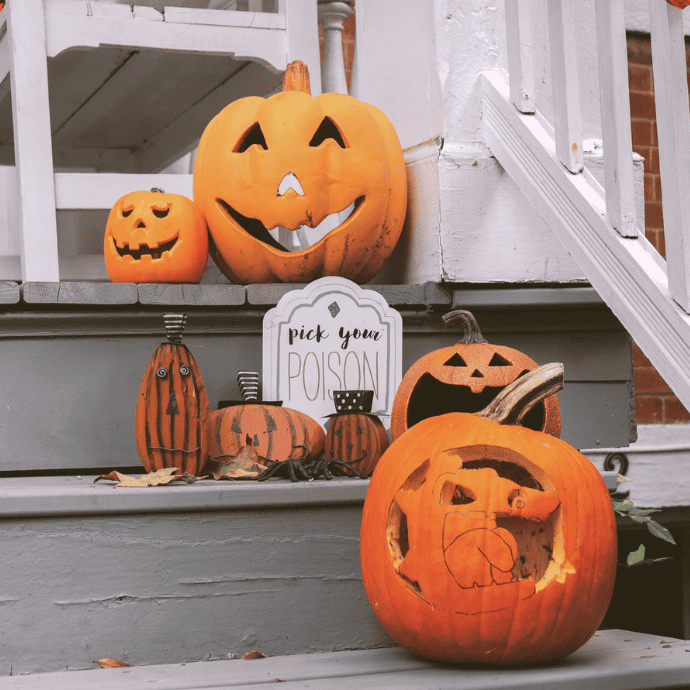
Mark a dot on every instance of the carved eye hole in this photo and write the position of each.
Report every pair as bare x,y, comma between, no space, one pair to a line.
162,372
456,495
252,136
327,130
161,213
499,361
184,370
127,212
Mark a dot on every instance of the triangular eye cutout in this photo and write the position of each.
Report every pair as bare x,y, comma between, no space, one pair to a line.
456,361
327,130
476,374
499,361
252,136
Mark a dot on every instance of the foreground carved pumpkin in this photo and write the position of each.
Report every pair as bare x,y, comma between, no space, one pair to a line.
293,160
153,237
465,378
172,409
484,541
276,433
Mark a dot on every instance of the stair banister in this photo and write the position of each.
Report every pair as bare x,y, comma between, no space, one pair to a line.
332,14
520,59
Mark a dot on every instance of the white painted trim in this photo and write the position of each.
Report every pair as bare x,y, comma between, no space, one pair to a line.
628,273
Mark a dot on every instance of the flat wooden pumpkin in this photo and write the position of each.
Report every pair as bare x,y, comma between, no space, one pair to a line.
483,541
172,409
465,377
293,161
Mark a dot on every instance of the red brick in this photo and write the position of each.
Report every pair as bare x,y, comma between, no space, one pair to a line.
642,106
653,214
640,78
650,187
639,357
639,50
648,381
674,411
642,134
649,410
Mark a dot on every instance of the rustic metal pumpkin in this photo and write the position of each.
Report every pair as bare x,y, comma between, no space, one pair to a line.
485,541
276,433
354,435
153,237
172,409
293,160
465,378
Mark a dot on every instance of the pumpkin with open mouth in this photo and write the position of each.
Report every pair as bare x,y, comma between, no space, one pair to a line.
154,237
294,166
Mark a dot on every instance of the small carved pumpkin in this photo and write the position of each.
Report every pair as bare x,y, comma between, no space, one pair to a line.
465,378
293,160
153,237
172,409
276,433
483,541
355,435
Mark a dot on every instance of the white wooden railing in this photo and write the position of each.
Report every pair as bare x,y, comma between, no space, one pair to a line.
597,226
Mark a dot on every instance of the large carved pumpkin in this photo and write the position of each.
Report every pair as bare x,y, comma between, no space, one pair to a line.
465,377
483,541
293,160
172,409
153,237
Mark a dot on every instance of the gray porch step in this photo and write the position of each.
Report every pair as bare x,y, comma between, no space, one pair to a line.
611,660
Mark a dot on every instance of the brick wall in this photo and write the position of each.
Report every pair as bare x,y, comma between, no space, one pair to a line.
654,401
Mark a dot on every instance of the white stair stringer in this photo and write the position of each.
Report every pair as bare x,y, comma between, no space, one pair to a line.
628,273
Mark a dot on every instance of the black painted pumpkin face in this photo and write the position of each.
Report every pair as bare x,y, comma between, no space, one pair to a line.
172,412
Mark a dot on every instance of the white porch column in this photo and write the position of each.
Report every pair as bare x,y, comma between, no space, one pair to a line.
332,15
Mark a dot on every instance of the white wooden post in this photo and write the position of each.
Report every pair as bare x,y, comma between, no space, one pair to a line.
565,84
332,14
615,121
32,140
673,128
520,62
302,37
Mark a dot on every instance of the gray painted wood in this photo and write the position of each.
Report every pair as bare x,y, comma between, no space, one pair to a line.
9,292
79,293
191,295
173,587
612,659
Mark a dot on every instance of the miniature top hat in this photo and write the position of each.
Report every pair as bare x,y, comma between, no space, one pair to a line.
353,402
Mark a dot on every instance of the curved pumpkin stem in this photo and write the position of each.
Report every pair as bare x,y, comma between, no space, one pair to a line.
297,77
174,327
519,397
469,324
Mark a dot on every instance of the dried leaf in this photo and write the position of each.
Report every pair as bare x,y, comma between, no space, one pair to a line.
620,478
188,478
254,655
111,663
637,556
164,476
245,465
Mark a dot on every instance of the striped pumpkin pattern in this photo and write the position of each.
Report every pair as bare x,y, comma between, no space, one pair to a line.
349,435
274,432
172,412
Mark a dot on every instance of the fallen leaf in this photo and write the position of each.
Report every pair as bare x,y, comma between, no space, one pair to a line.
188,478
254,655
247,464
164,476
276,680
111,663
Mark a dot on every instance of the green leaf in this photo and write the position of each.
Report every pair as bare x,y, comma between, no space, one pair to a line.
635,557
623,506
639,518
658,531
642,511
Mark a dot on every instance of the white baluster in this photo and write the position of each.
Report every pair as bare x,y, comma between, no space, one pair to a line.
332,15
520,62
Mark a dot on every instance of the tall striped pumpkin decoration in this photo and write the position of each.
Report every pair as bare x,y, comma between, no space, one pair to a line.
172,410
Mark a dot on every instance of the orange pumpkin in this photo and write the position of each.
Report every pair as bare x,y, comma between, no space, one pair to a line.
172,409
485,541
277,433
153,237
680,4
334,150
465,378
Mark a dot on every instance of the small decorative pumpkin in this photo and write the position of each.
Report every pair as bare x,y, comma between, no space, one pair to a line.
483,541
172,409
355,435
293,160
277,433
680,4
465,378
153,237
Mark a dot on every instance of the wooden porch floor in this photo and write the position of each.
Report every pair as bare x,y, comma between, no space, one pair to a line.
611,660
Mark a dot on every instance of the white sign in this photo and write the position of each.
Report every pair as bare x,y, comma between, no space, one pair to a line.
332,335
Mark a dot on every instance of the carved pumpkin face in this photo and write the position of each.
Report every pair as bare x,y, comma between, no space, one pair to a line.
172,412
296,162
487,543
153,237
465,378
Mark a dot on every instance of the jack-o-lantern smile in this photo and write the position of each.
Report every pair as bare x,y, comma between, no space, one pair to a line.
153,237
295,187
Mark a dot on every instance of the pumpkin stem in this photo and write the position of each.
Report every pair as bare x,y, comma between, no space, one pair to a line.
174,326
469,324
519,397
297,77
